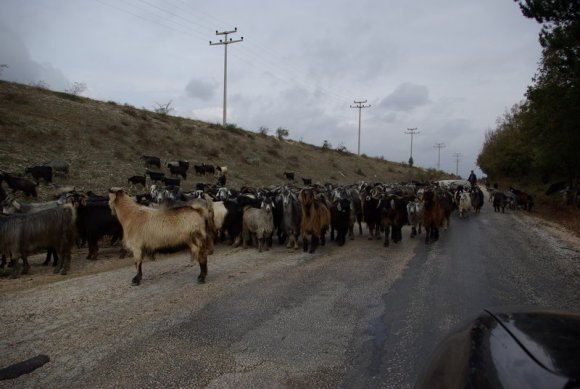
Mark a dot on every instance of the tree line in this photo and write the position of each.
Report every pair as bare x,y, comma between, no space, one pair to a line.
540,136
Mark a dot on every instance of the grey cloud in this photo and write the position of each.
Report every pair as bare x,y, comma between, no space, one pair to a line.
199,89
22,68
406,97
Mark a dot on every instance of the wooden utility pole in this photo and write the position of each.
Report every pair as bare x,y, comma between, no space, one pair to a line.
411,131
226,42
457,157
439,146
360,105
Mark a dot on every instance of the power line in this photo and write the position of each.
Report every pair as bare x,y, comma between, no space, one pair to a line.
439,146
225,42
259,56
360,105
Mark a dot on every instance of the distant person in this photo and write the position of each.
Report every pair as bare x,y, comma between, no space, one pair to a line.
472,179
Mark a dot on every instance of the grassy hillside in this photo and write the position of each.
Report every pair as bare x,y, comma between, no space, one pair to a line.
103,141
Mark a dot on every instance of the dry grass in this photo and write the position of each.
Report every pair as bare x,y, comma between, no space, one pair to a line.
104,140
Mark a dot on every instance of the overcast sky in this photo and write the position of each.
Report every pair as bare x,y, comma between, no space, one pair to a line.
448,68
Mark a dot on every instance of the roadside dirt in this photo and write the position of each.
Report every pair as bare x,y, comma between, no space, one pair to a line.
79,319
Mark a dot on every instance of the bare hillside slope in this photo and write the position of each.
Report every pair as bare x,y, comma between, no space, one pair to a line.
103,141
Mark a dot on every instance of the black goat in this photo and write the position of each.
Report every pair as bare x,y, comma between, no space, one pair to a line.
151,161
177,170
289,175
155,176
199,169
171,181
340,220
40,172
19,184
307,181
94,221
208,168
136,180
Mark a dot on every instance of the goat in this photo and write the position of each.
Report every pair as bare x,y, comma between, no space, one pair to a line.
258,225
151,161
19,184
184,164
464,205
290,217
307,181
199,169
370,214
147,230
59,167
233,221
393,214
177,170
155,176
340,220
221,181
171,181
289,176
138,180
24,234
315,219
476,199
208,169
433,215
94,221
523,199
415,216
222,170
11,206
499,201
40,172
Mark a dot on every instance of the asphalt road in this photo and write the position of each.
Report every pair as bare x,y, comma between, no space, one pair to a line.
361,316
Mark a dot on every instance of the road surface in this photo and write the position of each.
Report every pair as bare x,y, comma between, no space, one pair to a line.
359,316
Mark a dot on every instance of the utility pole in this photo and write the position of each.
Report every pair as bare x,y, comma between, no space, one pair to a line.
439,146
457,157
226,42
360,105
411,131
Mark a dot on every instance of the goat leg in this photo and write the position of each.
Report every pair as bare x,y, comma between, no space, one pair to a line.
314,244
137,279
202,273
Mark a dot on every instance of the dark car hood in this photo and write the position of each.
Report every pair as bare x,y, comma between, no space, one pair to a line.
509,348
552,339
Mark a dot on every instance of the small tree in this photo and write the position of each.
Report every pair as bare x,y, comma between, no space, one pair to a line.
326,145
163,109
77,88
40,84
263,130
2,67
282,133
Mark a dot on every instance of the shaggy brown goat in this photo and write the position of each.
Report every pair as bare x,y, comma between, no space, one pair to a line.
433,216
315,219
147,230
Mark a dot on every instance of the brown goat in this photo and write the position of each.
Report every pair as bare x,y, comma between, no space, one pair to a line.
315,219
433,215
147,230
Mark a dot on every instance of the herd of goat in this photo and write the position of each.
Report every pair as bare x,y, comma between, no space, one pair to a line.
166,218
